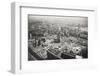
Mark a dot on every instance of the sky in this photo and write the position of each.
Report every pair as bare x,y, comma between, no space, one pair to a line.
63,20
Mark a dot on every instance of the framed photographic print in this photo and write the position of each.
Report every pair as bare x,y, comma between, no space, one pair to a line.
50,39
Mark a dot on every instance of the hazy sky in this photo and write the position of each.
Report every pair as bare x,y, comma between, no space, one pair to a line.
59,19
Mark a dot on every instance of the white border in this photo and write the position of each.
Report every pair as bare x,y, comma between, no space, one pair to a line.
19,65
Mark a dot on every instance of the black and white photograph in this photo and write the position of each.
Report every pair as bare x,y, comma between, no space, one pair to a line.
55,37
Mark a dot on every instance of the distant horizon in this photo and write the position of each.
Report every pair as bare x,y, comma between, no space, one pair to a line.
59,20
